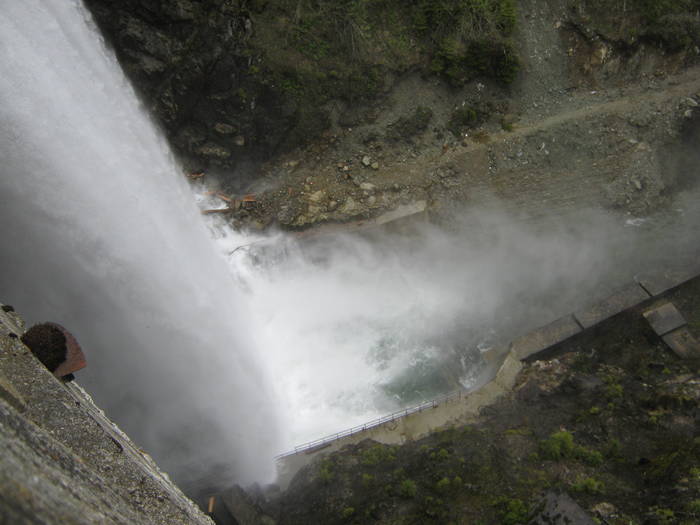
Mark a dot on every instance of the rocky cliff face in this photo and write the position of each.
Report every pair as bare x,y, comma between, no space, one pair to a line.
339,111
233,81
189,60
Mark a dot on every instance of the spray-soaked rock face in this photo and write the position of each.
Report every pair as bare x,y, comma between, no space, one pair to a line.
47,343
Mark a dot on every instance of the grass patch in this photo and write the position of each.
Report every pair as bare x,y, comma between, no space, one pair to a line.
378,454
408,489
560,445
670,24
588,485
512,511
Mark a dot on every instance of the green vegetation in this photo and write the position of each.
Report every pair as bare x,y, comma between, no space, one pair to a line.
512,511
443,485
312,51
465,118
588,485
408,489
663,515
671,24
560,445
325,472
378,454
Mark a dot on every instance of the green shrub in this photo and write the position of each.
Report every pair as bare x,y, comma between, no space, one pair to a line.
378,454
408,489
325,471
664,516
512,511
588,456
443,485
588,485
464,118
559,445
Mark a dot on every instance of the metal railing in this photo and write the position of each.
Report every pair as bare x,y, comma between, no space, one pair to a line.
457,394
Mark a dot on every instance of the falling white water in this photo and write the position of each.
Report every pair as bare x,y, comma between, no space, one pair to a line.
100,233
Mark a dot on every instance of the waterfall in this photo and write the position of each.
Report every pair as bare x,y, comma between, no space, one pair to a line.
101,233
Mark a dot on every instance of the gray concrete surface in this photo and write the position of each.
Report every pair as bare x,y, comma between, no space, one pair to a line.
545,337
64,461
625,298
664,318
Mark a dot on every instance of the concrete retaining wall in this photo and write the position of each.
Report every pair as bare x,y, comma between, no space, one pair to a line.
464,407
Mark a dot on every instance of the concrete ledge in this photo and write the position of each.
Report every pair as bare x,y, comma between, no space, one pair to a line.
403,211
683,344
402,215
9,394
664,319
508,373
657,283
545,337
627,297
10,322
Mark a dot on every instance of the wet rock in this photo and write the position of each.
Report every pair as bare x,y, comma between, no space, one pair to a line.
212,150
604,510
317,196
411,125
243,508
286,215
224,129
560,509
349,207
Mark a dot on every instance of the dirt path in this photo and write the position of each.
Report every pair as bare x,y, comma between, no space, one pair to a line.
605,148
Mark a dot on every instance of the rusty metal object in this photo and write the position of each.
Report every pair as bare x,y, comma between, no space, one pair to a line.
56,348
75,359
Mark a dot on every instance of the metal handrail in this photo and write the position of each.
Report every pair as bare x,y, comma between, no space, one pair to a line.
374,423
